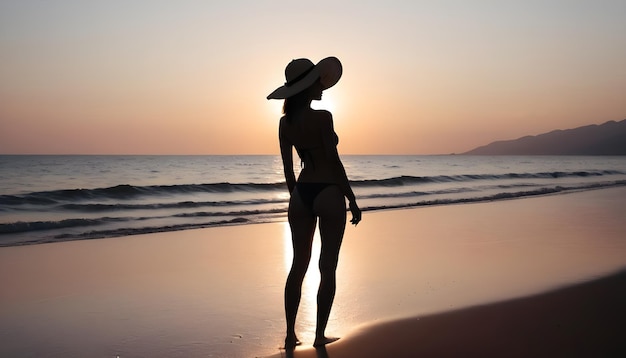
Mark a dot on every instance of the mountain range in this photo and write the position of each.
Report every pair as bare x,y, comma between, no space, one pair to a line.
604,139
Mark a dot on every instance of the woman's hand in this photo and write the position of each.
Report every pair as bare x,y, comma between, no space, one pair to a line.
356,213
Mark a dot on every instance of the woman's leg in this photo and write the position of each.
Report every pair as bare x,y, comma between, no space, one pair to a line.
330,205
302,225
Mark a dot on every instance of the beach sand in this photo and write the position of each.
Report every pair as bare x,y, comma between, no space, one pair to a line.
434,282
585,320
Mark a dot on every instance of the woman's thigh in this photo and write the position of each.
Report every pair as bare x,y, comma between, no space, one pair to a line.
330,203
302,224
330,206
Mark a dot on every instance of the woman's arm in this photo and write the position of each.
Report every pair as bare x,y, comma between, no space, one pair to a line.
286,152
330,147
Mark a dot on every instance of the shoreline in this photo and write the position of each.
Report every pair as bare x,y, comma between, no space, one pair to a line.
218,291
281,218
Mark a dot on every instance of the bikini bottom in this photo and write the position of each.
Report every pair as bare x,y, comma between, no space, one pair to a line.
309,191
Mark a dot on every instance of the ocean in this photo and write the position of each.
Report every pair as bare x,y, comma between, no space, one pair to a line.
56,198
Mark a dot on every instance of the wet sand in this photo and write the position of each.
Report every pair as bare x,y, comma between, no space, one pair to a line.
585,320
218,291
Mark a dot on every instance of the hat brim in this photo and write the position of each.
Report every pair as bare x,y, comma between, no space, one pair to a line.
328,71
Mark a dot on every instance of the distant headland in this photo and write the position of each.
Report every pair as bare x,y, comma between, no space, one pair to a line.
605,139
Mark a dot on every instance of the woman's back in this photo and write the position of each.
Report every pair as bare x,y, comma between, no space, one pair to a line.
311,133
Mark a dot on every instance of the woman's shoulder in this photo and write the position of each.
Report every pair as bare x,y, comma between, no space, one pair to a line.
322,113
284,121
323,117
315,116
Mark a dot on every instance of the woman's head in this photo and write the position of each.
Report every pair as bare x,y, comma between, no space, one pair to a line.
303,76
303,98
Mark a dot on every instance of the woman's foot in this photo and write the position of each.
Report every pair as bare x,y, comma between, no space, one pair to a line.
322,341
292,342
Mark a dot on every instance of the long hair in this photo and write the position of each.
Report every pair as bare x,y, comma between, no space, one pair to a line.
295,103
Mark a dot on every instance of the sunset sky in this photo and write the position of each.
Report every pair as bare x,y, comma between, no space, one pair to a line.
191,77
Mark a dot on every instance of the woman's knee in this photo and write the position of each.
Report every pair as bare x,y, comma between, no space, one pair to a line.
328,263
299,266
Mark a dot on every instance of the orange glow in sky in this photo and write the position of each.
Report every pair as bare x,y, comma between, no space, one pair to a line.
420,77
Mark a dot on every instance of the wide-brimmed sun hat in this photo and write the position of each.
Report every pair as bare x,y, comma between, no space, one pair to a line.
300,74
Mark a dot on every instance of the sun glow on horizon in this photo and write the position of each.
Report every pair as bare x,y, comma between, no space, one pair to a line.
191,77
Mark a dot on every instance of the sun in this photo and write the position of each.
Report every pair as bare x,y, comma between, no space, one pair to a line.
326,103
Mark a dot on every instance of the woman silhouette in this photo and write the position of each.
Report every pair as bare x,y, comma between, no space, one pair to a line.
320,189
